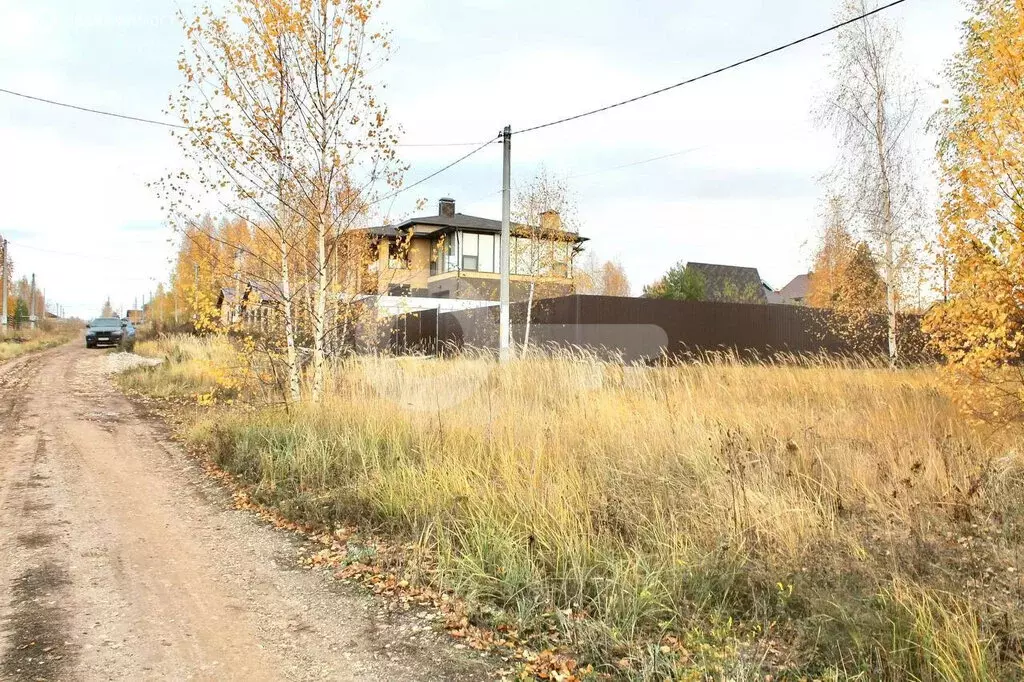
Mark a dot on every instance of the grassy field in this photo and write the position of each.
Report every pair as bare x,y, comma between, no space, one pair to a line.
19,342
705,521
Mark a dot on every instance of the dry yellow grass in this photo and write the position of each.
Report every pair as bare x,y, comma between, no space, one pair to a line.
822,519
20,342
192,367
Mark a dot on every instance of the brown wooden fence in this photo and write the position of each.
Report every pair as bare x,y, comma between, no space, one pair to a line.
644,329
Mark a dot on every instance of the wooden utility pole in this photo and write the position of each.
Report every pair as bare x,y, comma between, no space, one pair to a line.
504,327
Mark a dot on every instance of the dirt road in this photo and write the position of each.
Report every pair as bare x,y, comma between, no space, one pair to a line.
118,560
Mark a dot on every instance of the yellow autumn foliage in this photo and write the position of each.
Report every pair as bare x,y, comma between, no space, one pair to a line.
980,329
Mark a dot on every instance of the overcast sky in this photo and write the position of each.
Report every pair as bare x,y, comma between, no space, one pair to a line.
78,213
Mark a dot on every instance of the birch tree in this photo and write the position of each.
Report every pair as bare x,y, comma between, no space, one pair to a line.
284,131
344,145
545,214
872,111
235,107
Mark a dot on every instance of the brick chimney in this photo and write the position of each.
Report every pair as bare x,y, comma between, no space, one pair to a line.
550,222
446,208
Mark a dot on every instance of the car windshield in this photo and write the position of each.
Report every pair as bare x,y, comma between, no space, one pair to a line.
106,323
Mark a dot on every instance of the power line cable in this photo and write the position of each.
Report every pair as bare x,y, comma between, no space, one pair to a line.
178,126
605,170
100,112
525,130
717,71
636,163
434,174
442,144
71,254
631,100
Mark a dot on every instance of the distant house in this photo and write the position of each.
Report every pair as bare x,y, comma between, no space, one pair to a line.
457,256
251,304
134,315
731,283
796,292
773,297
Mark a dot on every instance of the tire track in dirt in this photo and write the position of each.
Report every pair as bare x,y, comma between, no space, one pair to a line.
14,378
35,618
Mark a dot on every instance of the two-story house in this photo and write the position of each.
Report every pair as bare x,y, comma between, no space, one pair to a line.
456,256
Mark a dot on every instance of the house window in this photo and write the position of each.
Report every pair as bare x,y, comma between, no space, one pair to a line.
487,260
470,251
398,259
452,252
439,255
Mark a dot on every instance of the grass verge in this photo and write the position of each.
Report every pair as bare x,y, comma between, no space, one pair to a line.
25,341
704,521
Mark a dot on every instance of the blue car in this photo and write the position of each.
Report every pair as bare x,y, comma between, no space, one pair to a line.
110,331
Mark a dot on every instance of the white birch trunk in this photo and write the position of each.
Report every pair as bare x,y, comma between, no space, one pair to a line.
888,228
529,314
319,316
291,361
890,300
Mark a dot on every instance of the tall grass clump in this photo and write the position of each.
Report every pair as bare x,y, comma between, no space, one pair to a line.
716,519
193,366
23,341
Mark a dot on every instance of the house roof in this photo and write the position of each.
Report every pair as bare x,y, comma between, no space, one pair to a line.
441,224
730,282
457,221
797,289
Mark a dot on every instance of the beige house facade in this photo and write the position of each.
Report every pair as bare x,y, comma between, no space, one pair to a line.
452,255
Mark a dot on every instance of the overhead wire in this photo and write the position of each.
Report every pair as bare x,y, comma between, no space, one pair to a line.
69,254
434,174
90,110
714,72
631,100
478,146
637,163
606,170
533,128
167,124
